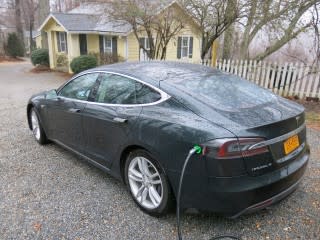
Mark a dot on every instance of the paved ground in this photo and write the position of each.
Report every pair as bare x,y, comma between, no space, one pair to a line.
48,193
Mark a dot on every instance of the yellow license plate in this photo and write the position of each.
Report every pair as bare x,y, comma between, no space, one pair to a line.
291,144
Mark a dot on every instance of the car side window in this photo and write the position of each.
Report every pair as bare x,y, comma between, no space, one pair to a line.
145,94
80,87
116,89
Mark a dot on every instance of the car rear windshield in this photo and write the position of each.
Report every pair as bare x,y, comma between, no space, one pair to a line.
223,91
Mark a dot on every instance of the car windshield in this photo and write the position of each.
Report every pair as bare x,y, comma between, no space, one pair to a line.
223,91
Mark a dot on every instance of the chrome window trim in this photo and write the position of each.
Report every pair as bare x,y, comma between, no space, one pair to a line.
164,96
278,139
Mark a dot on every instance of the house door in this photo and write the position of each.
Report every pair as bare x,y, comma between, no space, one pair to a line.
83,44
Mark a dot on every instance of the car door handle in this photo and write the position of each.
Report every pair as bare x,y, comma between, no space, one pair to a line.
120,120
74,110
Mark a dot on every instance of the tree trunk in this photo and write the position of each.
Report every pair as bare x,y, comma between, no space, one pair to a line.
228,43
44,10
244,45
18,20
31,26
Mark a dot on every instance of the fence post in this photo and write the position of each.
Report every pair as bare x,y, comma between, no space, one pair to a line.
245,69
263,74
281,85
240,68
272,80
257,67
236,67
267,76
316,83
219,64
231,66
288,80
304,81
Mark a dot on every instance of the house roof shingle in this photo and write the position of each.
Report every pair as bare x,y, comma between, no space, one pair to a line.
79,22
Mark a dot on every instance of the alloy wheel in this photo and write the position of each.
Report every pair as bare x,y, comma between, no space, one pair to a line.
35,125
145,183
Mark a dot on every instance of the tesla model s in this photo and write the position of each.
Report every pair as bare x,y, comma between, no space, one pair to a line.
138,121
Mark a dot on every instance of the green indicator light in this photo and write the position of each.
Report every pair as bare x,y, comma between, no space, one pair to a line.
198,149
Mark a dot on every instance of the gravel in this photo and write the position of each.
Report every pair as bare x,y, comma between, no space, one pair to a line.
49,193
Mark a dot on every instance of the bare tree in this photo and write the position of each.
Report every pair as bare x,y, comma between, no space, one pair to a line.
229,34
315,25
18,19
44,10
30,8
149,18
66,5
214,17
280,18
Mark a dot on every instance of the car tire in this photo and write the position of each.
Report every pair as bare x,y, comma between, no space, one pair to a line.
36,127
147,183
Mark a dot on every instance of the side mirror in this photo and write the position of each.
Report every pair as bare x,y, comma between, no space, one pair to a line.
52,94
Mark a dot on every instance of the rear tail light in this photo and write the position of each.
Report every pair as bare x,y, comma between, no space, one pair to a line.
233,148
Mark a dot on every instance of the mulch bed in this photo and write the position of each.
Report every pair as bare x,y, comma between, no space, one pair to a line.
40,69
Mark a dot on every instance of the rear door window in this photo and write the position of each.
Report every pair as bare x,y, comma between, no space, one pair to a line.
117,89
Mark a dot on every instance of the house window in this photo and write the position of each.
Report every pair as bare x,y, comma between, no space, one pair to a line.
185,47
107,44
144,42
62,42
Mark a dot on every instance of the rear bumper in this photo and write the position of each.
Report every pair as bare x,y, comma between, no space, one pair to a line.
270,201
234,196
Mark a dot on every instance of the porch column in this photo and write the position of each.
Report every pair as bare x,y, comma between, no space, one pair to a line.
73,48
51,49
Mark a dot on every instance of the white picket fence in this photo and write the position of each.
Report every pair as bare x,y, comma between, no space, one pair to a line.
286,79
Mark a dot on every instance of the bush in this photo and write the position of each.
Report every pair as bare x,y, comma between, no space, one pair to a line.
82,63
14,46
108,58
62,60
40,57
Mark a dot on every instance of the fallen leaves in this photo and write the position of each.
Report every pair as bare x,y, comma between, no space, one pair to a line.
37,226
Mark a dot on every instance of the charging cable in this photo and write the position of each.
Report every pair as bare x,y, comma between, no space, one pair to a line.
196,149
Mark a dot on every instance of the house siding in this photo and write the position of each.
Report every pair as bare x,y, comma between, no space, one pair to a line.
133,48
121,43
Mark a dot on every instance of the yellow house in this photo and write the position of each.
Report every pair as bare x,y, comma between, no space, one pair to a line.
88,30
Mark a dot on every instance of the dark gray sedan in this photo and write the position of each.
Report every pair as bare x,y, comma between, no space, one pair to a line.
138,121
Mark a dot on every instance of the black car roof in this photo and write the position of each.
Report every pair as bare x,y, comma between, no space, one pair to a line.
154,71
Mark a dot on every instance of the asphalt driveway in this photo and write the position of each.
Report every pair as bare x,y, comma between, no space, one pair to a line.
49,193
